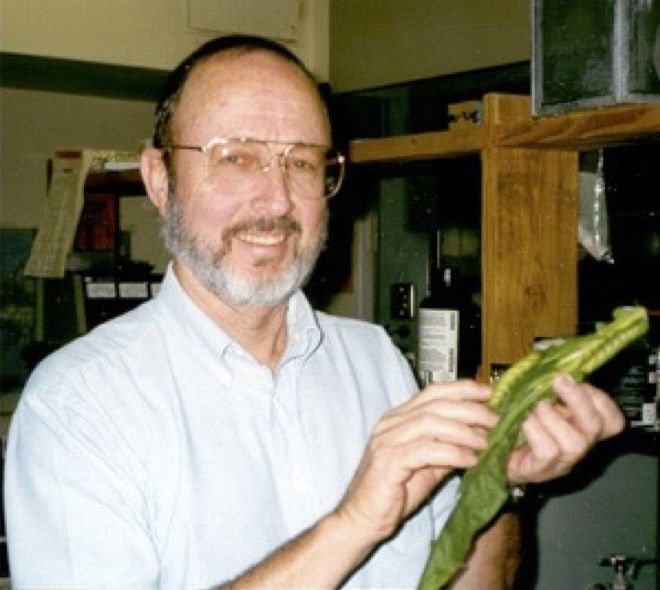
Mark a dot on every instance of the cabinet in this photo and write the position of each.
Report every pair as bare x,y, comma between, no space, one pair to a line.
102,279
529,204
107,188
124,277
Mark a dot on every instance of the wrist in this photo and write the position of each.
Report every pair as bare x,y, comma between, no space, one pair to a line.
342,530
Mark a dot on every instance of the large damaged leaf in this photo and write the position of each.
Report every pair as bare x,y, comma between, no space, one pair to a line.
484,488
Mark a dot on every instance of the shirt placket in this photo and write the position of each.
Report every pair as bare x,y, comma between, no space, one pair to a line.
288,447
299,499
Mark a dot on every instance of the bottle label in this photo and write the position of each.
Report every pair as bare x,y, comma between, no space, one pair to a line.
438,345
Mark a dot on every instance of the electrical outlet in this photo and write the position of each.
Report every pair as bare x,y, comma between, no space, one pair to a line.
402,301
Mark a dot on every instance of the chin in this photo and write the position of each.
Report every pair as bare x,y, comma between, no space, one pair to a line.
266,289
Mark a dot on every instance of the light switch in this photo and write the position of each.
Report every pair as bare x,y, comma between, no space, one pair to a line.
402,301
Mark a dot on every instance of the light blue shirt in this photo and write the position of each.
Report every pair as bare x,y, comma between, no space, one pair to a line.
156,453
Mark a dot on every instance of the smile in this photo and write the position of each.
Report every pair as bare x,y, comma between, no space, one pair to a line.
262,238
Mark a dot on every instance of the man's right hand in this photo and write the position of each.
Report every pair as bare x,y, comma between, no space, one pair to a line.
412,448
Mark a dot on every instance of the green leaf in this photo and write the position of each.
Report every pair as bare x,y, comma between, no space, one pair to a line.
484,488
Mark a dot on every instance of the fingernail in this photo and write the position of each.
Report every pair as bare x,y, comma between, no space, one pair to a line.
485,390
564,380
543,406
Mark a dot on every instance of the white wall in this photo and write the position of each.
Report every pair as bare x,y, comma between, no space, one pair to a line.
379,42
370,43
141,33
34,124
145,33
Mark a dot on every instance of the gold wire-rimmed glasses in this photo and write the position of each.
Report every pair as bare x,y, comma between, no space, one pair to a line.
237,164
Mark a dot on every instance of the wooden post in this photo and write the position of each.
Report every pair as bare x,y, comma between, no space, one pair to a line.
529,254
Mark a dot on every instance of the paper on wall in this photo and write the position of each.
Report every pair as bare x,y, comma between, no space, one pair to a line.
59,223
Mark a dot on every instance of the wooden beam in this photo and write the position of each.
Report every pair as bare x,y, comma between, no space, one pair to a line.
529,255
440,144
586,129
507,123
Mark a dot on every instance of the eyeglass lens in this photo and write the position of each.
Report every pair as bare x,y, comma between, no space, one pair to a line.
311,171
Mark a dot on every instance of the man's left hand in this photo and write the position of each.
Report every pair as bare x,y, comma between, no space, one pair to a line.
561,433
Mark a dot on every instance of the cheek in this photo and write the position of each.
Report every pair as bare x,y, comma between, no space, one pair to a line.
205,213
206,217
313,222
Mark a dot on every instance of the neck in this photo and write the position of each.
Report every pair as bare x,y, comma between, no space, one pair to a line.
261,331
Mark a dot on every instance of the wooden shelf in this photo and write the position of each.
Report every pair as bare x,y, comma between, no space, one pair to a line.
418,146
529,205
507,123
121,183
585,130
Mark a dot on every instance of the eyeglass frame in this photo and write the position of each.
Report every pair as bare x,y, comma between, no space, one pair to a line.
214,141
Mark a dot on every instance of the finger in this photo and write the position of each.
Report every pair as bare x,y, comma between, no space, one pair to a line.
472,414
468,412
400,462
540,442
538,459
426,426
571,441
463,389
583,414
614,420
593,412
579,401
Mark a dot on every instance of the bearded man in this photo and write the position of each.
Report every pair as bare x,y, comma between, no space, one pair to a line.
226,434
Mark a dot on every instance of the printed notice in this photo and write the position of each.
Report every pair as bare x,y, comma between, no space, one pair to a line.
59,222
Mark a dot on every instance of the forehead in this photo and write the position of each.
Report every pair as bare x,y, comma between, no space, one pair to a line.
254,94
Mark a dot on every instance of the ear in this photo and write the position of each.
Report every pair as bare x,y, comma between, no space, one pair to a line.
154,176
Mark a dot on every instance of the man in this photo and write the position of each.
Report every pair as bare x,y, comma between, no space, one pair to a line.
224,433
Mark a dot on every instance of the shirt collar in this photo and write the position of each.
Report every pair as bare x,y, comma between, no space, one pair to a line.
303,331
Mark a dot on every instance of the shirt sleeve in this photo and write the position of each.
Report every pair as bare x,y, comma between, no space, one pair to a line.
75,509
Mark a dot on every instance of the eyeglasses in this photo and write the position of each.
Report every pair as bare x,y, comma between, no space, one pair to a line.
238,164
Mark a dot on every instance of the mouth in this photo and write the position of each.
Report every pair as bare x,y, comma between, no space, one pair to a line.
261,238
263,232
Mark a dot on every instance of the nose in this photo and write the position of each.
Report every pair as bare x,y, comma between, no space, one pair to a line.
274,195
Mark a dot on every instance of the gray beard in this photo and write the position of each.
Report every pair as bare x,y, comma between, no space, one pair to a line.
210,268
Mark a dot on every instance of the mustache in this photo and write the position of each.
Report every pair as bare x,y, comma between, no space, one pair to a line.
281,223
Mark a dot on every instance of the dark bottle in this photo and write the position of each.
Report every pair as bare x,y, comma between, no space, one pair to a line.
449,330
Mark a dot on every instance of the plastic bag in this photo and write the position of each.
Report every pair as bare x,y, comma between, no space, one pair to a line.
593,224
